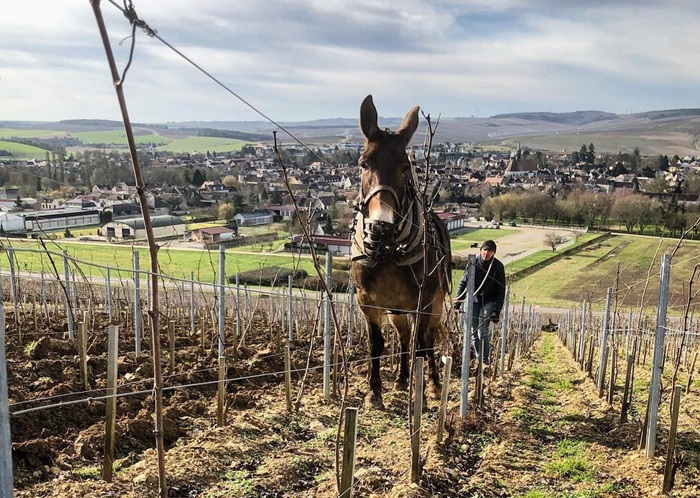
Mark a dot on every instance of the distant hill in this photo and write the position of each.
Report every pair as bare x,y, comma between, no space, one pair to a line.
100,123
673,131
238,135
571,118
671,113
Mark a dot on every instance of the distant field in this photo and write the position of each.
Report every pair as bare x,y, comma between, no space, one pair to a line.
22,133
118,137
544,255
591,271
21,150
464,240
176,263
204,144
206,224
563,283
610,142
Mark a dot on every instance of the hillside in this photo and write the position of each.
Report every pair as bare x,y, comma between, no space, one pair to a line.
674,131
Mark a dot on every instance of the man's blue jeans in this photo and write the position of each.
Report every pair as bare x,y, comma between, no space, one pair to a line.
480,328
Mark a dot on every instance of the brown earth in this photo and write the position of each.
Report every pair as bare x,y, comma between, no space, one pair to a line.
543,431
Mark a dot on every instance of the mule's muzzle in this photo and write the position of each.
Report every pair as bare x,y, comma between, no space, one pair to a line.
379,239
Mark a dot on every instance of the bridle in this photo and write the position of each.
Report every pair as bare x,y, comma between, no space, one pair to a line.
378,239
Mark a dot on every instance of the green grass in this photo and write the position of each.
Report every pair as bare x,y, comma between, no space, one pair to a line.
604,490
22,133
203,144
544,255
575,468
118,137
536,493
29,348
176,263
22,151
206,224
564,385
516,265
464,240
587,273
88,472
569,448
235,483
570,462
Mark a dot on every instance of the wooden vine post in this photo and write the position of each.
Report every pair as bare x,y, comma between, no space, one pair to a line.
349,441
154,312
669,469
443,399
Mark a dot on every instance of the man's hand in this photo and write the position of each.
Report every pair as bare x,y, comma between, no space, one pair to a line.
495,317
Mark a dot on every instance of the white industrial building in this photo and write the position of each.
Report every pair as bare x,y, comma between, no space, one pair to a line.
165,226
10,222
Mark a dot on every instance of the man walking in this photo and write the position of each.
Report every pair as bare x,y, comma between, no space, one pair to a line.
489,294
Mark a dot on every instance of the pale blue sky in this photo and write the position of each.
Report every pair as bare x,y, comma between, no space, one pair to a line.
312,59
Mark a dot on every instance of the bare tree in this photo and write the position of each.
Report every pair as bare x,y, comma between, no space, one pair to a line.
552,240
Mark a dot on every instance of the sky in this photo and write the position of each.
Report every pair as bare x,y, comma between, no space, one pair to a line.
299,60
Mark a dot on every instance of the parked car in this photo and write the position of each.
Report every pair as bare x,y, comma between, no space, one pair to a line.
512,224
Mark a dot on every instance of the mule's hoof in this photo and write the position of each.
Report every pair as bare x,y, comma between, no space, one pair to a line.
401,384
374,401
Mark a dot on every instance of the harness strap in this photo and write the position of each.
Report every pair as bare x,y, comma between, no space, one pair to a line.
410,227
380,188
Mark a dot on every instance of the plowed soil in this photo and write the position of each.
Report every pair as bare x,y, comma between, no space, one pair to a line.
542,432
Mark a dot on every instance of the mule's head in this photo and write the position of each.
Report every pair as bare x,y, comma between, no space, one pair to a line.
385,168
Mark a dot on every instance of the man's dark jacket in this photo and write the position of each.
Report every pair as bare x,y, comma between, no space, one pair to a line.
494,289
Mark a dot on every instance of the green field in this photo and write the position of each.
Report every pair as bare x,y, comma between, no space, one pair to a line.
587,274
22,133
22,151
584,273
118,137
177,263
544,255
464,240
203,144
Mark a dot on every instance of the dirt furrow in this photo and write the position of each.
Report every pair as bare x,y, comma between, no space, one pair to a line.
557,438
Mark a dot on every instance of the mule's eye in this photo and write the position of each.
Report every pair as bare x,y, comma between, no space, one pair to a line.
362,163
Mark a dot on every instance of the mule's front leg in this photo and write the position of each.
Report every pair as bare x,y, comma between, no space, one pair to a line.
433,373
426,336
401,324
374,397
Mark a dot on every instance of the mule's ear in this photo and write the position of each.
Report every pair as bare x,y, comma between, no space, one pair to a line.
410,124
368,118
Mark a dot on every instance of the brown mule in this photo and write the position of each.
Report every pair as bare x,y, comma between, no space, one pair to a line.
392,270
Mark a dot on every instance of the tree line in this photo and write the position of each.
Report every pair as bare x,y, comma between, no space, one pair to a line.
635,212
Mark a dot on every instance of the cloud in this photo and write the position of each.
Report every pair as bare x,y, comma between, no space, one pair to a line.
318,58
